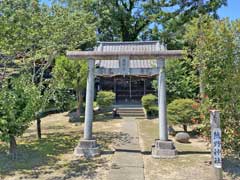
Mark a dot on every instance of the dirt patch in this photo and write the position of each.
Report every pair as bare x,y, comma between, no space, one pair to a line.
181,168
192,162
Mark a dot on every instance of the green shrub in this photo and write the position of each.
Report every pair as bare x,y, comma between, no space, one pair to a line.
149,102
152,111
19,100
183,111
105,99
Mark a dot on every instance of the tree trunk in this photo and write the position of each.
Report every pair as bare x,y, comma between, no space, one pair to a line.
185,127
201,86
79,103
13,147
39,133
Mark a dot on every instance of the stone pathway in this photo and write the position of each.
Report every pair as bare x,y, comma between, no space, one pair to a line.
127,161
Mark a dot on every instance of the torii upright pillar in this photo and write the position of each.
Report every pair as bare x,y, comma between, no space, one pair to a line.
163,147
87,146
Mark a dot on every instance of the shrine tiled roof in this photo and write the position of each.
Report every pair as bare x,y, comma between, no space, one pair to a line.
128,46
132,63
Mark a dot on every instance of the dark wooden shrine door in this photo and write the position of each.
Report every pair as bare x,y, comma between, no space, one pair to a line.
129,90
122,89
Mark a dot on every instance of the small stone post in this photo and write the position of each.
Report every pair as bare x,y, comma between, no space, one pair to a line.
88,146
216,143
163,147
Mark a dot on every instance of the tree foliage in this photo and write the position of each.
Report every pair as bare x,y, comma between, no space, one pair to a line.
69,74
181,80
127,20
217,53
19,99
176,22
32,35
37,33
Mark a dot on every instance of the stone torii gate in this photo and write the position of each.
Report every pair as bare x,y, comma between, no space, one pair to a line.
163,146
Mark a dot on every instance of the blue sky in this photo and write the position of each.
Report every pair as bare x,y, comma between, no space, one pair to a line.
232,10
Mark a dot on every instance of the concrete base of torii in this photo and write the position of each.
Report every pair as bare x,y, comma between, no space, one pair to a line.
163,149
87,148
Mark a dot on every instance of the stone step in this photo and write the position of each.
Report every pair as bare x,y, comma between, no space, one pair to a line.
131,112
130,109
131,115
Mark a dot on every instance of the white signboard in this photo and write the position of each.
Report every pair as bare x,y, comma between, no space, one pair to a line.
216,144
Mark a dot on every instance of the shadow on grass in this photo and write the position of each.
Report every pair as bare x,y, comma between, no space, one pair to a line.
106,138
33,154
107,116
193,152
231,165
84,168
98,116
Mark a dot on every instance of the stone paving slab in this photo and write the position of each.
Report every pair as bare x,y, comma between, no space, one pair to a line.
127,161
127,173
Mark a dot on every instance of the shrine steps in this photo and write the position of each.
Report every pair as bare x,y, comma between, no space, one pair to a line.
130,112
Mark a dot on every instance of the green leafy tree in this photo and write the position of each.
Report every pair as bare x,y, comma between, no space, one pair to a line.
181,79
183,111
18,104
216,51
33,35
126,20
176,21
71,74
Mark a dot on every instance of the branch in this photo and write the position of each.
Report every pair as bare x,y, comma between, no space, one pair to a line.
124,5
131,5
47,65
